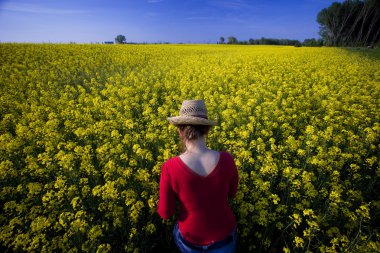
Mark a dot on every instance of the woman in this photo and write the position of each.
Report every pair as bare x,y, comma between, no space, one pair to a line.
201,180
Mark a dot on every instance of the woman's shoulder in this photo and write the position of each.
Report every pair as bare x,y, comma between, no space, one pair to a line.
170,160
170,163
226,154
227,159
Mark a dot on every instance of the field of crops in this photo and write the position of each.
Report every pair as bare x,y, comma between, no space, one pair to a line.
83,135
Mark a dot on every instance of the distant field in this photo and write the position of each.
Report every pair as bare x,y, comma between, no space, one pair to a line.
83,134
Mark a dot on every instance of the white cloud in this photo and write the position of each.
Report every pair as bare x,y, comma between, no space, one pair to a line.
233,4
30,8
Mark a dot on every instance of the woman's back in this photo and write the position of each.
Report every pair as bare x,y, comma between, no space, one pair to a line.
205,215
201,163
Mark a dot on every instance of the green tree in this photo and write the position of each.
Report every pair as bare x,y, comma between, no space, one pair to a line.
232,40
350,23
221,40
120,39
313,42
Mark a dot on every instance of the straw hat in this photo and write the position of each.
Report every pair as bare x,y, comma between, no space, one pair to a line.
192,112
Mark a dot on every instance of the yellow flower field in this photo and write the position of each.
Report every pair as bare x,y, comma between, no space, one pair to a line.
83,135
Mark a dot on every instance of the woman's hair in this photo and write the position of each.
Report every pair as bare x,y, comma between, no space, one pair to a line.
193,132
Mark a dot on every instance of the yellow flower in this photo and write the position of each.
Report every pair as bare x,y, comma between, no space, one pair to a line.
298,241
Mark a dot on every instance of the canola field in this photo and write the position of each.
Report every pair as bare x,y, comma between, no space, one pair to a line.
83,135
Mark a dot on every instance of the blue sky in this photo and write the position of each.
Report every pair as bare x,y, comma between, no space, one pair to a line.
186,21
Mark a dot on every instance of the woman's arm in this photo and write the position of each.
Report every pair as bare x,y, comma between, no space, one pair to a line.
167,197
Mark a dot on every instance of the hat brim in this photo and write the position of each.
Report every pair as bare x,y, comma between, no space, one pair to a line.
190,120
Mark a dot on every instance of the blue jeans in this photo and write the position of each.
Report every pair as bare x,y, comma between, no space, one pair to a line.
224,246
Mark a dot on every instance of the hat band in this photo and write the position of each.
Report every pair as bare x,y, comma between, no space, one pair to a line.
201,116
196,116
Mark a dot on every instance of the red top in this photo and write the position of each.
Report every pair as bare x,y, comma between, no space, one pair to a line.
205,215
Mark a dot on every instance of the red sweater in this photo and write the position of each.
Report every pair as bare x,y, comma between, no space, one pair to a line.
205,215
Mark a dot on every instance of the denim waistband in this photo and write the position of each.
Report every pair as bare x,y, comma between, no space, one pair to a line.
215,245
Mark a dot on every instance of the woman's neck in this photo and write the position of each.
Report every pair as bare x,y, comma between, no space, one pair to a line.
196,146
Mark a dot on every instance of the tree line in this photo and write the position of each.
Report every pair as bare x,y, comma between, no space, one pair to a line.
271,41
